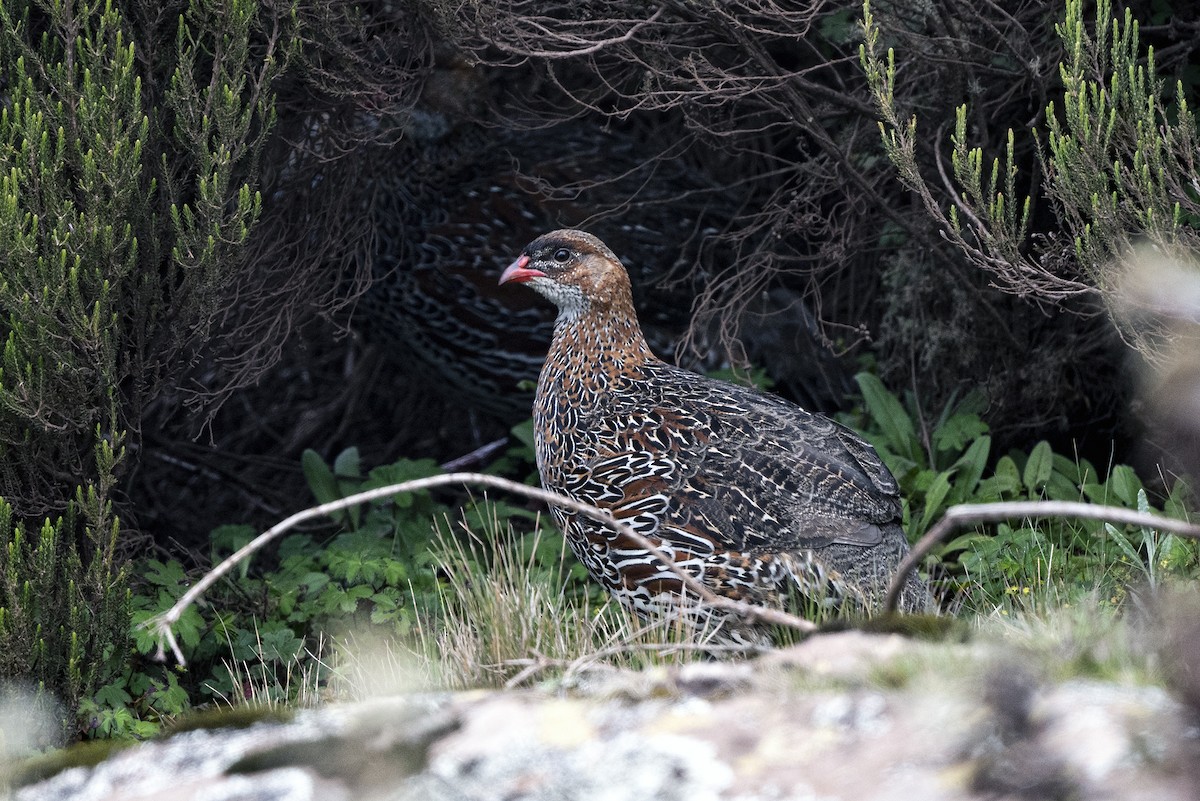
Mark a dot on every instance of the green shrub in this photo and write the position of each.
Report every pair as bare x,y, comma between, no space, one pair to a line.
64,604
1117,166
129,148
128,164
390,570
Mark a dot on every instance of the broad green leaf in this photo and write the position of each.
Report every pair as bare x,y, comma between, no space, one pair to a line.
1175,505
935,497
314,581
922,480
1061,488
347,464
163,574
280,644
320,478
112,695
955,433
889,415
1006,481
398,473
1124,484
171,699
523,433
1069,469
970,469
401,471
1039,467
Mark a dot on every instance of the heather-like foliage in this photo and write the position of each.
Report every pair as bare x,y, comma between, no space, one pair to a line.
127,189
1116,161
64,603
129,143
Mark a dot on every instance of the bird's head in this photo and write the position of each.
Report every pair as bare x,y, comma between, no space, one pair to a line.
574,270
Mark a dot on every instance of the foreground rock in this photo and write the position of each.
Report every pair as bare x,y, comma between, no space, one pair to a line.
842,716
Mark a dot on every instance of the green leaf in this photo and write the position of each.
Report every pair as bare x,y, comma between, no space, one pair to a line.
172,699
1060,488
112,695
1125,484
970,468
1005,482
1096,493
395,573
313,582
1123,543
1176,504
228,538
400,472
164,574
890,417
523,433
347,464
280,644
955,433
920,481
965,541
297,547
1038,467
320,478
1068,469
935,498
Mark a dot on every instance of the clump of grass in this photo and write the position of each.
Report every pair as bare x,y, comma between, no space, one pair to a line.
515,605
267,681
1086,637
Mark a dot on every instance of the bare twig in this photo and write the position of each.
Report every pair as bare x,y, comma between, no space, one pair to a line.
477,456
575,45
965,514
161,624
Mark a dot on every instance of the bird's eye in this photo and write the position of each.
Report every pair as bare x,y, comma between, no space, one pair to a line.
562,256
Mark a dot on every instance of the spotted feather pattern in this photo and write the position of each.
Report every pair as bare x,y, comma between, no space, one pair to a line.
757,498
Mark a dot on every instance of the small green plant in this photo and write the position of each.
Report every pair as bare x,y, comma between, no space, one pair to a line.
383,557
128,166
1048,561
261,639
258,639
